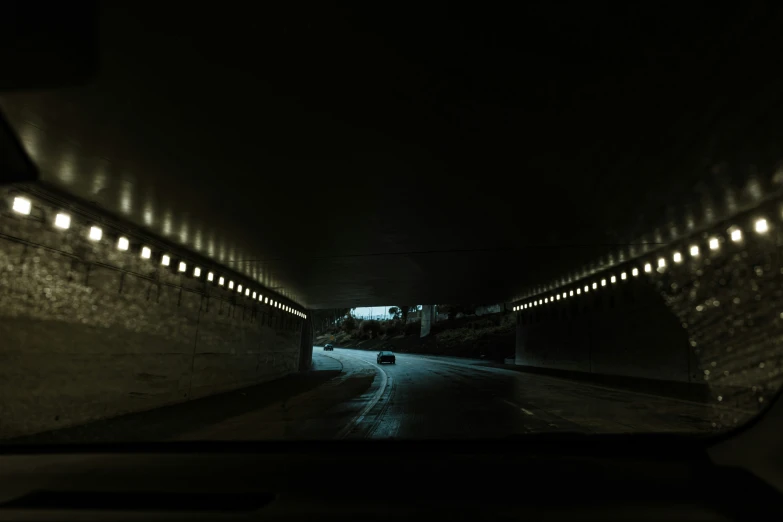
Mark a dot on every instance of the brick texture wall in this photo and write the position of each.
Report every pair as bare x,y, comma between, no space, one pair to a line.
89,332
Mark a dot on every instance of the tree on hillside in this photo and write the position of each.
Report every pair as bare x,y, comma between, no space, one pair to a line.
404,309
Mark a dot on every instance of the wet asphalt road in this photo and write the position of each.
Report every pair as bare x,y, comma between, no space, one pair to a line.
441,397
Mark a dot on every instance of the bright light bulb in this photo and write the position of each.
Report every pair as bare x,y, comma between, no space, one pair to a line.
123,243
230,285
603,282
22,205
578,291
564,295
558,297
661,262
647,267
613,279
736,235
761,226
677,257
694,250
546,300
95,233
571,293
197,272
239,289
595,285
62,221
210,277
714,244
587,288
247,292
182,266
260,297
255,294
165,260
623,276
146,253
635,272
266,300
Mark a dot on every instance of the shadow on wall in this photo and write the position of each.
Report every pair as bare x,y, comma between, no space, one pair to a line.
626,330
89,332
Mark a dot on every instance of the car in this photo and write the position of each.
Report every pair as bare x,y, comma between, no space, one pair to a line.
386,357
328,347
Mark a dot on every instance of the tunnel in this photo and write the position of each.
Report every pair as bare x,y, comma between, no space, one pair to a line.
181,211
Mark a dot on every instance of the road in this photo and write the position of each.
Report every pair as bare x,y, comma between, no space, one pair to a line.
348,395
441,397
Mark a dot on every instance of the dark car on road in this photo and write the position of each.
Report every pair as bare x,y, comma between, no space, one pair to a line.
386,357
328,347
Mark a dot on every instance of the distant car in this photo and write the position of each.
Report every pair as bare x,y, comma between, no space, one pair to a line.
328,347
386,357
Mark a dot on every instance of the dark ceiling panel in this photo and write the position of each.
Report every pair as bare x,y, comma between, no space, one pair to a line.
360,156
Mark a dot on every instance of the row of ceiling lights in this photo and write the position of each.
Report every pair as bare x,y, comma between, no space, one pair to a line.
62,221
713,243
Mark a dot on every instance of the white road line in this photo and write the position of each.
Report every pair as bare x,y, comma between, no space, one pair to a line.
514,405
360,416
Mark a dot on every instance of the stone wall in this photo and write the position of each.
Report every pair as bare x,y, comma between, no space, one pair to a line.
88,331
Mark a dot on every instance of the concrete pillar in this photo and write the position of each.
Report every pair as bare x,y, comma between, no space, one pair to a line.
427,314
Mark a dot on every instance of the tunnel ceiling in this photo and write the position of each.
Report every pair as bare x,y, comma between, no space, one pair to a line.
364,157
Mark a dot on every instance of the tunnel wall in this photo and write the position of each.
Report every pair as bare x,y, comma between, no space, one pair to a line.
88,332
627,331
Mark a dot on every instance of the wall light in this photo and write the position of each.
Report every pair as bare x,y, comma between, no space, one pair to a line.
230,285
595,285
623,276
62,221
266,300
587,288
210,277
22,205
578,291
247,292
661,262
146,253
260,297
677,257
571,293
694,250
558,297
714,244
165,260
613,279
221,281
564,295
546,300
197,272
603,282
123,243
736,235
635,272
95,233
239,289
761,226
182,266
255,294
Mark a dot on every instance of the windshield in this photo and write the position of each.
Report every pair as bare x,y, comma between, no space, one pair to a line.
582,208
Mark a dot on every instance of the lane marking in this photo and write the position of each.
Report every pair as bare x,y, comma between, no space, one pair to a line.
514,405
360,416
